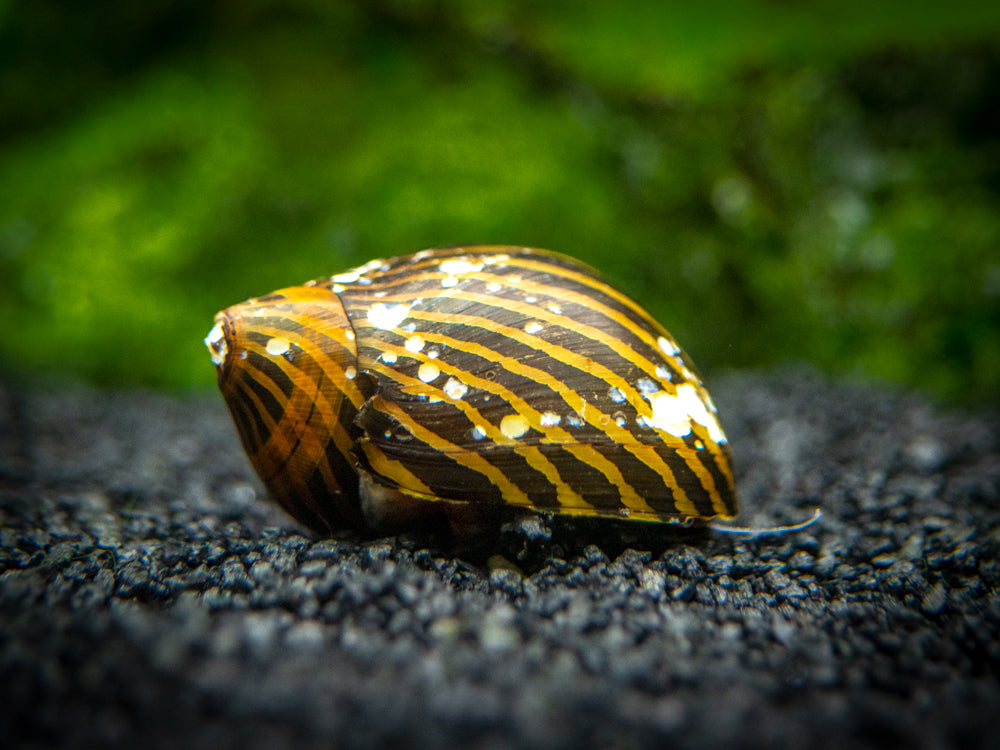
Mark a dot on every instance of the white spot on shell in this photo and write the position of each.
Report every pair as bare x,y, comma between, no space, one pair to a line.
449,281
216,343
531,300
350,373
349,334
493,287
513,426
277,346
389,357
555,309
414,344
456,266
533,327
348,277
428,372
455,389
616,395
337,288
667,346
477,433
550,419
387,317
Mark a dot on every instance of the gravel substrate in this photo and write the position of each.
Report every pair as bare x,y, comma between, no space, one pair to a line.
150,598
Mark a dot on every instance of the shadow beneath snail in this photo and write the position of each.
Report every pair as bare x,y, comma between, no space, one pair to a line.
529,541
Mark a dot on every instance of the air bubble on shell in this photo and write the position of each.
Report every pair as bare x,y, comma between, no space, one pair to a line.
348,277
388,357
455,389
533,327
642,423
428,372
409,327
670,414
663,373
449,281
414,344
555,309
574,420
550,419
350,373
216,343
401,433
513,426
387,317
531,300
616,395
620,419
277,346
493,287
667,346
433,353
477,433
710,403
645,385
455,266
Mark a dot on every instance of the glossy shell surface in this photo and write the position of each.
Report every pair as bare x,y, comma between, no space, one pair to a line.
486,375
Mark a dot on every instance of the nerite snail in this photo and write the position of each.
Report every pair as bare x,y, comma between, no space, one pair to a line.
467,379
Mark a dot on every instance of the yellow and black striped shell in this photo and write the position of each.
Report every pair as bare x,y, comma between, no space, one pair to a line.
469,377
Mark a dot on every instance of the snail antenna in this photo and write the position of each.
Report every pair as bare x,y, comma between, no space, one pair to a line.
721,527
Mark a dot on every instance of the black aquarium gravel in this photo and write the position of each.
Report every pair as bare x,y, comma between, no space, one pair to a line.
149,598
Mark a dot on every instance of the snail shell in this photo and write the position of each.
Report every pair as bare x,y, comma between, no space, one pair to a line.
469,378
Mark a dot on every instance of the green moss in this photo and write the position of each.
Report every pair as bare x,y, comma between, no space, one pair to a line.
813,182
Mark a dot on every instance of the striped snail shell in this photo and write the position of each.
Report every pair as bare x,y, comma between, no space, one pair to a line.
465,379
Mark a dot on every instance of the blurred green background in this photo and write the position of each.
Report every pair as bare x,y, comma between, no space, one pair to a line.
776,181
